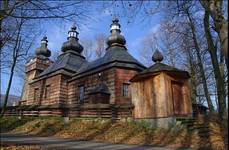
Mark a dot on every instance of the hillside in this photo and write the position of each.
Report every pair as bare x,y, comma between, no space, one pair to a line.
126,132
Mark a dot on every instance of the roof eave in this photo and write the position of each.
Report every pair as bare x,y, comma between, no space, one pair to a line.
141,76
57,72
98,68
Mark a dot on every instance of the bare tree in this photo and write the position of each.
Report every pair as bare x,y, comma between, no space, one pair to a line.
147,47
215,9
39,10
200,64
33,12
180,34
169,43
218,74
88,49
42,10
208,66
20,48
100,41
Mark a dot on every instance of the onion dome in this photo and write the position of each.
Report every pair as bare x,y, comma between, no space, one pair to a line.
43,51
115,38
72,43
157,56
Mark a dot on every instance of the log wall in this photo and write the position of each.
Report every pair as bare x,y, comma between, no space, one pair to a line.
113,77
123,76
57,94
86,110
33,68
90,82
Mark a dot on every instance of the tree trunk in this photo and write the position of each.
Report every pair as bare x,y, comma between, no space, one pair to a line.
216,68
193,83
8,88
14,61
0,55
214,8
193,78
197,48
224,41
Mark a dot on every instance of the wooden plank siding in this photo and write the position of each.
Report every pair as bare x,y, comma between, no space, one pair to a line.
57,94
122,76
90,82
33,69
113,77
153,97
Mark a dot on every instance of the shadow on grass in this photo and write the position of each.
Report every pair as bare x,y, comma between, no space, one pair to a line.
11,123
102,131
50,128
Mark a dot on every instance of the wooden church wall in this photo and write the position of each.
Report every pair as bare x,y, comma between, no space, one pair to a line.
26,89
63,95
177,97
32,70
142,99
185,102
170,110
57,91
113,77
54,93
150,97
90,82
153,97
123,76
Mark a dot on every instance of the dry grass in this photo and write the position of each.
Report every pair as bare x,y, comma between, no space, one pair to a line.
123,132
41,126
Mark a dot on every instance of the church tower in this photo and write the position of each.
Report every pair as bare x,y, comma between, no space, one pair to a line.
35,66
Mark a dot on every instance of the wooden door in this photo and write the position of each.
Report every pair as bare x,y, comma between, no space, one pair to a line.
177,98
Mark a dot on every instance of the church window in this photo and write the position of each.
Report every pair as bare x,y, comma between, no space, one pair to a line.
125,90
47,91
36,94
81,93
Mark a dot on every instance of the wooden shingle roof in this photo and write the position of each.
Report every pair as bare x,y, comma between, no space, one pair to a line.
159,67
69,61
115,56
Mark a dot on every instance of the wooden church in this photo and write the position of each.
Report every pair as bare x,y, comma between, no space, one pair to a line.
114,86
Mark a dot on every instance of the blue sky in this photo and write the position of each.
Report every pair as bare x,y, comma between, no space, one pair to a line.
57,34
